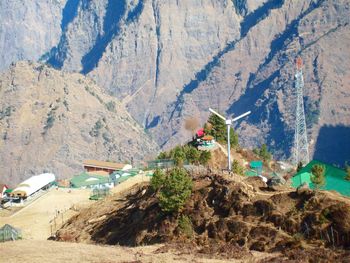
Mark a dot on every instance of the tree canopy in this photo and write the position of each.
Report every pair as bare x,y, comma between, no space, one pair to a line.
317,177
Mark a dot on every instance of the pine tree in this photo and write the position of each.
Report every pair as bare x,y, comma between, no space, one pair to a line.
317,177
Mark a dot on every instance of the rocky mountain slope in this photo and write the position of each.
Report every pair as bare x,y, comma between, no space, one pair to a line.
168,60
52,121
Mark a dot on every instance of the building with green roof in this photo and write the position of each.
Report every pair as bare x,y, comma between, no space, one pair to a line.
335,178
256,166
87,180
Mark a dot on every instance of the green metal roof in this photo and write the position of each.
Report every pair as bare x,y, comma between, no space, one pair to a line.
85,179
256,164
121,176
335,178
250,173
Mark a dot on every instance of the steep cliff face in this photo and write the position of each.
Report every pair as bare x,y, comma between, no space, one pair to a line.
167,60
52,121
28,29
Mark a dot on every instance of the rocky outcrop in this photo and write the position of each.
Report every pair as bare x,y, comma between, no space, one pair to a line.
28,29
52,121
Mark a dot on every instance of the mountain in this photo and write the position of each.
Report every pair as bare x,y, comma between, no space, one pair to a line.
169,60
52,121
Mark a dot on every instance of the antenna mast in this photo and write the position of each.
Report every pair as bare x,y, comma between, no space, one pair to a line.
301,146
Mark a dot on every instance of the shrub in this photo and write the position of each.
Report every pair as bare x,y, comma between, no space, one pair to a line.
317,177
157,180
163,155
111,106
175,190
205,157
95,131
237,168
192,155
185,226
49,121
178,155
263,152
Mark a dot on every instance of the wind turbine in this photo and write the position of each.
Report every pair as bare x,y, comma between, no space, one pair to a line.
228,123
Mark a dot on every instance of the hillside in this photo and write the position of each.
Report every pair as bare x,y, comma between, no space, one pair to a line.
167,60
52,121
229,218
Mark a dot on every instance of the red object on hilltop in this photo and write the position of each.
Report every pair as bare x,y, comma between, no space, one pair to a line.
200,132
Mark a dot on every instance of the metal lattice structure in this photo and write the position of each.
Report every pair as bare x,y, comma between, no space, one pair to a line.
301,145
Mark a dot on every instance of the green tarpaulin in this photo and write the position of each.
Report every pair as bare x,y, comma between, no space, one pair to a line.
335,178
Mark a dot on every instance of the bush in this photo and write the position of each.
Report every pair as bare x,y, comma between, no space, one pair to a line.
205,157
263,153
192,154
111,106
237,168
175,189
95,131
185,226
178,155
157,180
187,153
317,177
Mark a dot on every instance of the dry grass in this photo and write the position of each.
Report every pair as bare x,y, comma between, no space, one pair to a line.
35,219
52,251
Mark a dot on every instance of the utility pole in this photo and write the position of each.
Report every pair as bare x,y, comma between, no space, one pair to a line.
301,146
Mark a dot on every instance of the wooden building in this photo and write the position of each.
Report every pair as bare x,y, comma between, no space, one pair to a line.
92,166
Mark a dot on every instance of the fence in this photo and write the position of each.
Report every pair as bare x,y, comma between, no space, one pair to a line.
99,193
161,164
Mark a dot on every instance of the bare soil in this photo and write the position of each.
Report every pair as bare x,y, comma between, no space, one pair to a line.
230,219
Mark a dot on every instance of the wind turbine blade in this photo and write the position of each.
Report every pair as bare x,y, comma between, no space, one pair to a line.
219,115
241,116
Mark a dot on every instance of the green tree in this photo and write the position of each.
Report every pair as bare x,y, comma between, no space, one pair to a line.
233,138
218,129
157,180
163,155
204,157
175,191
347,169
264,153
317,177
237,168
178,155
192,154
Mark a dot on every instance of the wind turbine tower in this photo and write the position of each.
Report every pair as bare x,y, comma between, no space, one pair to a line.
301,145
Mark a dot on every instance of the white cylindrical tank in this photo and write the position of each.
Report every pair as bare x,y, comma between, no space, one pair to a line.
33,184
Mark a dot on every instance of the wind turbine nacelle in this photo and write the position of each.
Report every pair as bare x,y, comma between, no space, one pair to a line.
228,122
